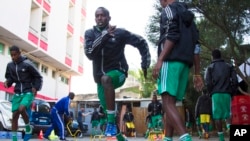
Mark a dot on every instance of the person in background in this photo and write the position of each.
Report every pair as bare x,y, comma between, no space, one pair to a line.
149,125
221,81
28,81
104,46
58,111
128,120
178,51
80,116
198,127
203,111
103,119
189,119
155,110
95,119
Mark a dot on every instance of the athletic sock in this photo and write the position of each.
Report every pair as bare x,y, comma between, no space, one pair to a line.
14,136
27,128
120,137
228,126
199,133
221,136
185,137
111,116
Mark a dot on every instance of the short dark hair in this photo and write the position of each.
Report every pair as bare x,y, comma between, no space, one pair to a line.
216,54
105,10
14,48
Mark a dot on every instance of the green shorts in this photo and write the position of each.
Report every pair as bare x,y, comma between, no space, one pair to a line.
188,124
197,121
95,123
149,125
118,79
103,121
24,99
173,79
221,105
156,121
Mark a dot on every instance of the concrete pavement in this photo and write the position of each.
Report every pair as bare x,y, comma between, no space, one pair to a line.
87,138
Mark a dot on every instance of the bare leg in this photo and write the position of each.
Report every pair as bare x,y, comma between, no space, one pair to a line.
22,111
173,116
109,92
15,117
218,125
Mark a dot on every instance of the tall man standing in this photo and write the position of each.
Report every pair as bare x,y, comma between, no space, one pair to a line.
221,81
177,52
28,81
105,45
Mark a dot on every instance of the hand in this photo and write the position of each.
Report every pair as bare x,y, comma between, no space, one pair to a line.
198,83
145,73
111,30
34,91
6,84
157,69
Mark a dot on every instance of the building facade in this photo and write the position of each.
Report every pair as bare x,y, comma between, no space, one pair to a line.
48,32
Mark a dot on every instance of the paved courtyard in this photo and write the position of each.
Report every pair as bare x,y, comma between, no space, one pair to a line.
86,138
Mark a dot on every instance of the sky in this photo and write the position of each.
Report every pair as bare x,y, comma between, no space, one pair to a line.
132,15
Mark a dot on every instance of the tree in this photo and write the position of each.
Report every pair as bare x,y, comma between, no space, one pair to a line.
147,85
222,24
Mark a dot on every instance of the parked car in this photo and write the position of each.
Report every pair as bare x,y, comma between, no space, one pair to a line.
40,117
6,117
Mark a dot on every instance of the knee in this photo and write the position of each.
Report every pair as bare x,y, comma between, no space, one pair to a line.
106,80
21,109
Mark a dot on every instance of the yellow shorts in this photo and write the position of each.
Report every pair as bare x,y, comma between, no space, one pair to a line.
204,118
130,125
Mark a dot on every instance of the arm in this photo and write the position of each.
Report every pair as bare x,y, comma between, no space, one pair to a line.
234,80
9,80
197,79
168,38
140,43
85,114
66,106
167,47
208,80
37,80
197,113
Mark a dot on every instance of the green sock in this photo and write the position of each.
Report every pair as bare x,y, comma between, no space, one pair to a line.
120,137
185,137
14,136
146,134
167,139
27,128
228,126
111,116
221,136
199,133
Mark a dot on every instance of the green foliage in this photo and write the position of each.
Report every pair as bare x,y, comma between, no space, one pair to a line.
133,89
147,85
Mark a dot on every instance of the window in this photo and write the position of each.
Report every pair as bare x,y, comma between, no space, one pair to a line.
44,69
43,28
53,74
1,48
8,96
36,64
64,79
